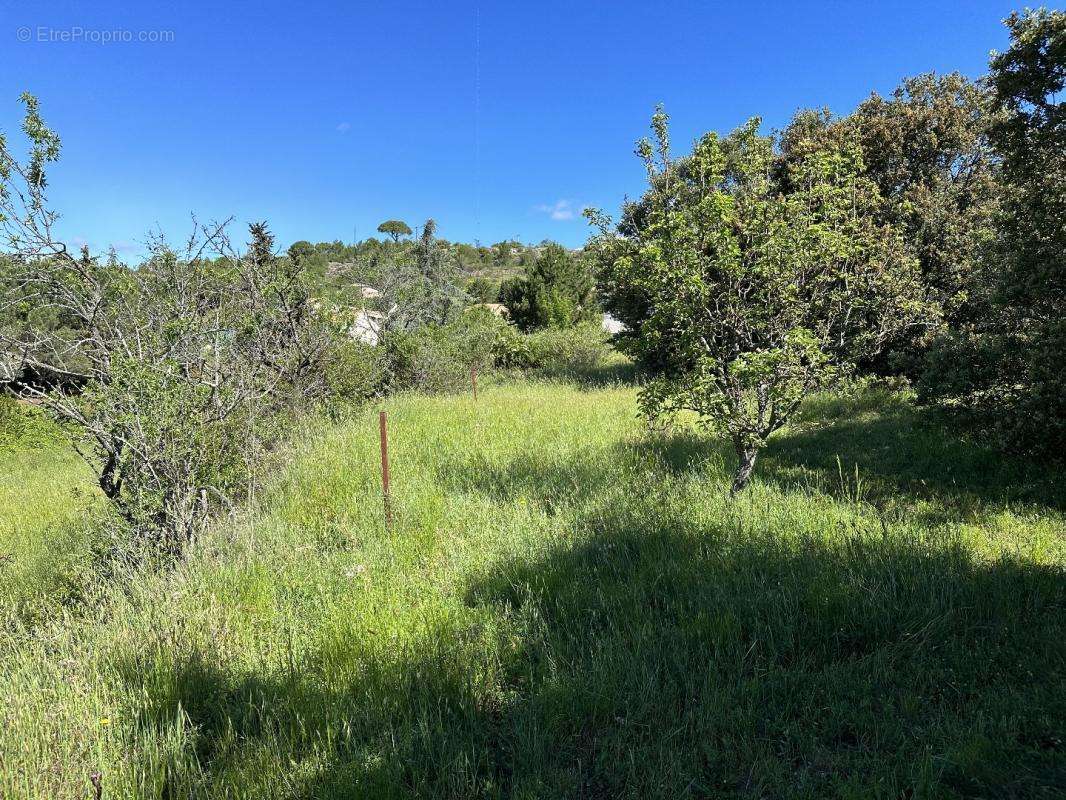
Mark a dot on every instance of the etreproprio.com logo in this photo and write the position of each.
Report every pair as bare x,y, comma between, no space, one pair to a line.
78,34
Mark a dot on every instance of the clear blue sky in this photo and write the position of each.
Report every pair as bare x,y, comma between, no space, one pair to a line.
496,119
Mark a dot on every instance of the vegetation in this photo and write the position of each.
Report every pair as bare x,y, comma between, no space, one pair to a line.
441,358
44,490
182,366
394,228
1007,367
567,606
752,279
927,151
556,291
337,269
419,285
200,595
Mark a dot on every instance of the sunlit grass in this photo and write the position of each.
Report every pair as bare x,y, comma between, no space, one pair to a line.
569,606
43,491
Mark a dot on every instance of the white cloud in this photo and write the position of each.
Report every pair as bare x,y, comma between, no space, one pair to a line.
344,127
560,210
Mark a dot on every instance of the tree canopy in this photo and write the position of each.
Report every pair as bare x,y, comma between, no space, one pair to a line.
926,149
555,291
750,279
1008,364
394,228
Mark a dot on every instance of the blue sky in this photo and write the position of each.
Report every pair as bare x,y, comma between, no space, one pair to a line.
496,119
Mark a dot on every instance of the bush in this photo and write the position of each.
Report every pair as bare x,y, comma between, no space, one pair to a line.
555,291
1007,387
438,358
568,351
355,371
513,350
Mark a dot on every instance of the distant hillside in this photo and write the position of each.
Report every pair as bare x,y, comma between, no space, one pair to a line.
341,267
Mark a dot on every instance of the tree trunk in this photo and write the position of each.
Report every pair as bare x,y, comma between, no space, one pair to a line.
746,455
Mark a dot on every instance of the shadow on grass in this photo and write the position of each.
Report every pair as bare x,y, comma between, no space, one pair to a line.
610,372
649,651
668,660
656,657
880,449
311,731
905,450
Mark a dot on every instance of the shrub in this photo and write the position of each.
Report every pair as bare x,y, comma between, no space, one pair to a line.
354,371
568,351
438,358
1007,387
555,291
513,350
188,361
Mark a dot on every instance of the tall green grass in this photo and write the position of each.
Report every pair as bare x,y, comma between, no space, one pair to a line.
45,492
569,606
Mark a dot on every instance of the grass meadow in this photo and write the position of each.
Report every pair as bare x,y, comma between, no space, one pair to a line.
568,605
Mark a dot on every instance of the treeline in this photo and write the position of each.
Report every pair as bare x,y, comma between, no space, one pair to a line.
542,285
922,235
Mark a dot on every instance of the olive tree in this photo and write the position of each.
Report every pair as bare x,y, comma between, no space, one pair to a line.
749,282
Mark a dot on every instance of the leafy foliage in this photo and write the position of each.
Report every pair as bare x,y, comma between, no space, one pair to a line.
926,148
756,278
1007,367
555,291
394,228
439,358
185,362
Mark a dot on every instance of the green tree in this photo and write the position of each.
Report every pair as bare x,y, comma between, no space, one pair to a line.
1009,365
926,148
394,228
420,285
758,278
482,289
300,252
555,291
928,151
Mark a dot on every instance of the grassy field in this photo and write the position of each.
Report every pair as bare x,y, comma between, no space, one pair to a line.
567,606
44,486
